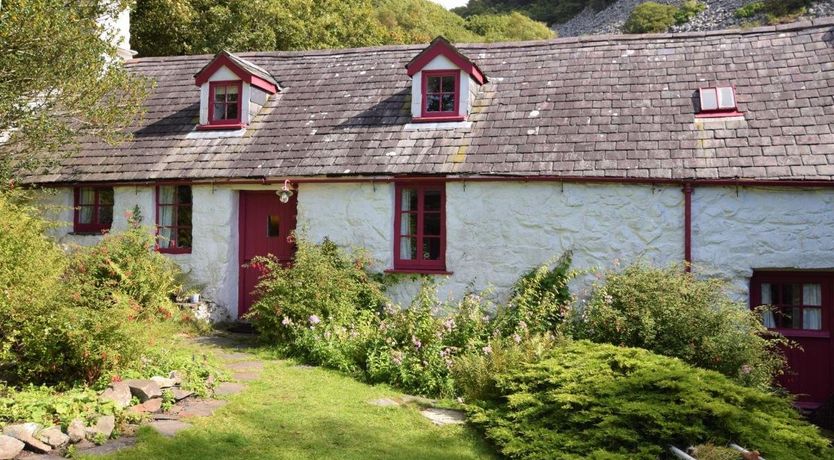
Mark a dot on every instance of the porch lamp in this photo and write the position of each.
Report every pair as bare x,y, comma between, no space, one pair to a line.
285,193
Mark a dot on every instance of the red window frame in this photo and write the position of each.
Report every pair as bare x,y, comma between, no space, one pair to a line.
232,123
439,116
718,111
420,264
781,278
177,208
96,225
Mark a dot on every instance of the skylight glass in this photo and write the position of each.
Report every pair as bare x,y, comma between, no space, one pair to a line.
726,98
709,99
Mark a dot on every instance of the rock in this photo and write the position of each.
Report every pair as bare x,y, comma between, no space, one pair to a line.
169,428
102,429
163,382
444,416
114,445
180,394
9,447
148,407
25,432
176,376
144,389
119,393
384,402
76,431
54,437
203,408
229,388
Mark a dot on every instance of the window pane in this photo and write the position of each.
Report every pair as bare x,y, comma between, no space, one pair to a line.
219,111
86,196
166,237
812,319
433,84
433,103
408,248
231,93
448,103
811,294
432,200
408,224
85,215
273,226
184,238
709,100
791,294
105,196
166,194
231,111
105,215
726,99
184,194
431,224
449,84
431,248
767,294
409,199
219,93
184,216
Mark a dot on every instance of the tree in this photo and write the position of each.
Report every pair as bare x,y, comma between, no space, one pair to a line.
513,26
60,79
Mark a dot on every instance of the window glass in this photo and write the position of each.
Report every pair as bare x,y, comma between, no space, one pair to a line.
793,305
433,103
433,200
431,224
408,248
709,100
441,94
273,226
448,84
409,199
431,248
174,217
812,294
433,84
94,209
408,224
419,231
726,98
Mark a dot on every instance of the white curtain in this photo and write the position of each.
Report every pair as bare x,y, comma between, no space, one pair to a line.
85,213
767,316
166,215
812,317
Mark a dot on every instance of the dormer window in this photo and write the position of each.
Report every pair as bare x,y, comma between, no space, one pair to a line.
441,93
444,83
225,107
717,101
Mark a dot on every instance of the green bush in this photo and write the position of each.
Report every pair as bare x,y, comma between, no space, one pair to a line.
751,9
513,26
600,401
673,313
774,11
650,17
688,10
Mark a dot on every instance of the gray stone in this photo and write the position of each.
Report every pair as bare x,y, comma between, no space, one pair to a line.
180,394
25,432
103,428
118,393
109,447
384,402
76,431
229,388
444,416
9,447
54,437
202,408
163,382
176,376
148,407
144,389
169,428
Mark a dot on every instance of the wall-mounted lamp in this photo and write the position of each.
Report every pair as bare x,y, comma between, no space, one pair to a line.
286,192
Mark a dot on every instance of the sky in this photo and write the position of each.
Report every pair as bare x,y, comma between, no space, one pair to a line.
451,3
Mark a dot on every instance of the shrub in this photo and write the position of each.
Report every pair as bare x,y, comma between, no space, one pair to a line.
650,17
600,401
673,313
688,10
513,26
749,10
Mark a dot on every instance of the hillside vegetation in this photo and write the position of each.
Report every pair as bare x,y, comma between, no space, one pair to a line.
177,27
548,11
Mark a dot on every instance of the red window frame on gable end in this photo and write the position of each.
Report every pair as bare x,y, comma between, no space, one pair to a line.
93,210
420,227
235,122
440,115
173,219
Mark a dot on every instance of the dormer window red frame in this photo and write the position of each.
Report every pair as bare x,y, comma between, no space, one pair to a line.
440,95
225,104
717,101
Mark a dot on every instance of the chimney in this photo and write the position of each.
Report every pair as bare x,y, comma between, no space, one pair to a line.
122,35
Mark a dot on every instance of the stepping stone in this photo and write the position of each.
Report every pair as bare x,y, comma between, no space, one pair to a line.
148,407
246,366
229,388
9,447
144,389
165,417
443,417
180,394
118,393
204,408
113,445
384,402
169,428
246,376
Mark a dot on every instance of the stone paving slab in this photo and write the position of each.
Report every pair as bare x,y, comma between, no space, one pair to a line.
202,408
229,388
443,417
169,428
110,446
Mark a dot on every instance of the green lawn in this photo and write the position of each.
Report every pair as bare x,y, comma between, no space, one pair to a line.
295,412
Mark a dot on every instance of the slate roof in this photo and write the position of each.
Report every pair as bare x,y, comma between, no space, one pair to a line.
599,106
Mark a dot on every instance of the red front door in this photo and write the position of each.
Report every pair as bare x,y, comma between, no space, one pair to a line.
802,312
266,226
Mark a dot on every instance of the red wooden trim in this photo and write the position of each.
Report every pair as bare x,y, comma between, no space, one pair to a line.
687,226
174,228
419,265
804,333
228,123
241,218
222,60
437,116
259,82
416,271
734,113
437,119
219,126
441,47
95,227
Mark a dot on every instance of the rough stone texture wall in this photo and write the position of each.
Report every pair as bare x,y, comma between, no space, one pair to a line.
737,230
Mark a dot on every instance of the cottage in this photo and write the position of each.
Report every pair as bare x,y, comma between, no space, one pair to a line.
474,163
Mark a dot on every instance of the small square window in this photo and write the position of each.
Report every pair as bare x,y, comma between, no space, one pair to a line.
718,100
93,209
441,94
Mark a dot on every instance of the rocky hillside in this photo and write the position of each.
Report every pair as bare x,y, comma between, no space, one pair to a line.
717,14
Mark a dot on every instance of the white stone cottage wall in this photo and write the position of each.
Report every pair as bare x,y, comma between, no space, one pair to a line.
497,230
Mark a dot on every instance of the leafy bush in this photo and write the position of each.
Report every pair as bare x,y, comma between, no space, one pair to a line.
513,26
47,406
650,17
688,10
749,10
673,313
774,11
600,401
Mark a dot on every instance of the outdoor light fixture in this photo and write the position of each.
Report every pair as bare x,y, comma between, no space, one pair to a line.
285,193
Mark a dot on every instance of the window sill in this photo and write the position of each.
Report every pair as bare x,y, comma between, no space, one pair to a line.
438,119
89,232
418,271
174,251
803,333
210,127
734,113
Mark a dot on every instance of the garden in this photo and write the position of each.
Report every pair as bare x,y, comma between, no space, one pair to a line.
652,357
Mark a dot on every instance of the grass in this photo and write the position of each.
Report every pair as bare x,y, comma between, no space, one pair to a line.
294,412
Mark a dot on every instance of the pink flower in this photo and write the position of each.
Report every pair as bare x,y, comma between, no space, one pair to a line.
286,321
487,350
416,342
313,319
516,338
397,357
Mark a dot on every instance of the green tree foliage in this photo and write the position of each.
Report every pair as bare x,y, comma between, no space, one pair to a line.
176,27
547,11
650,17
59,80
601,401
